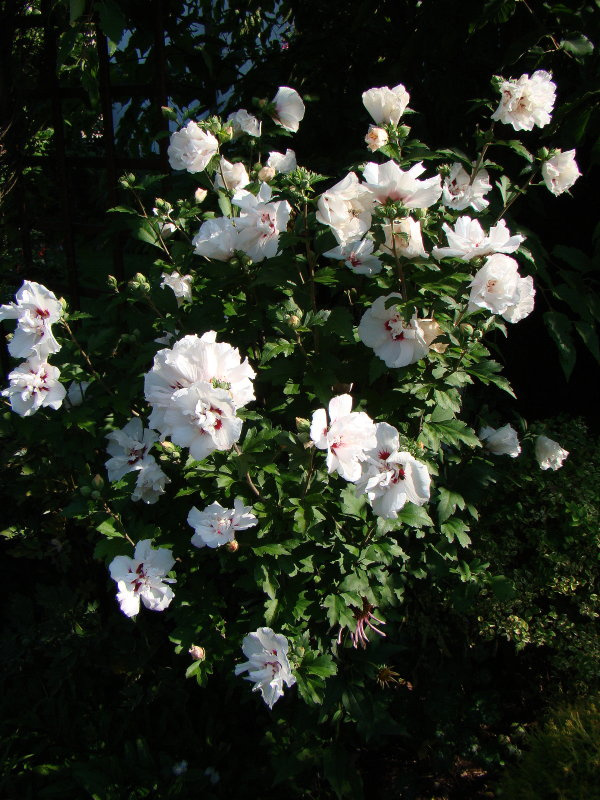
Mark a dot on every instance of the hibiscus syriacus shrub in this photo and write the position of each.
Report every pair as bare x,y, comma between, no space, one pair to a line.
265,425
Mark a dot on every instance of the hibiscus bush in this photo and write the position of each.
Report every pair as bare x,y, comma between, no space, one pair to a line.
275,430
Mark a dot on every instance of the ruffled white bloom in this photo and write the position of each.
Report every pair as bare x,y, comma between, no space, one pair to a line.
143,576
166,229
388,182
346,208
289,109
150,483
243,122
130,448
357,256
191,148
282,162
203,419
215,525
468,240
527,101
459,193
217,239
34,384
560,172
395,341
180,284
550,454
501,441
36,310
231,176
267,666
260,222
391,477
347,439
76,393
498,287
196,359
403,238
376,138
386,105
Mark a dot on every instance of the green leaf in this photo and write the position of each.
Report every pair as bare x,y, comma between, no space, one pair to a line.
447,503
518,148
341,773
414,516
112,21
577,44
338,612
321,665
559,327
107,528
452,432
456,529
587,331
76,9
502,587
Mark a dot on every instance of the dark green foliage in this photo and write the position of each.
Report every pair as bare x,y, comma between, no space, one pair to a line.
562,757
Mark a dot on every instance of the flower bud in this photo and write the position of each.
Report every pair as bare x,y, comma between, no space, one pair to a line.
113,283
139,284
168,112
127,180
95,495
466,328
302,424
232,546
200,195
266,174
197,653
376,138
85,491
293,320
98,482
403,131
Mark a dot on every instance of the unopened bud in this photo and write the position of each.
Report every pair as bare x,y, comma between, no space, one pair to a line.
302,424
64,304
139,284
168,112
168,446
403,131
98,482
113,283
95,495
127,180
266,174
232,546
466,328
85,491
197,653
200,195
293,320
261,103
376,138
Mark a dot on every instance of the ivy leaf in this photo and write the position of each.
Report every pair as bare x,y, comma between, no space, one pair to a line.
447,503
338,612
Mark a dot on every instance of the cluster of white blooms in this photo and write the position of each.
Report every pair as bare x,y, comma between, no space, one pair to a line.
254,232
500,441
386,105
267,666
498,287
195,389
560,171
396,341
527,101
215,525
180,284
129,449
143,577
34,384
231,176
282,162
288,109
391,477
550,454
242,122
369,455
461,190
191,148
467,240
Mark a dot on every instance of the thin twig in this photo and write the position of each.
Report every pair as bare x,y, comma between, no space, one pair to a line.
86,358
251,483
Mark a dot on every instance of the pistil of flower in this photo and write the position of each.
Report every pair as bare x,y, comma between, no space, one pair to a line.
396,328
